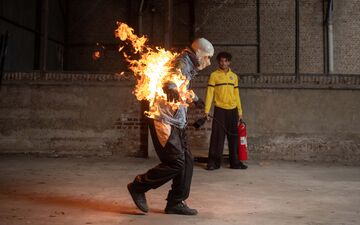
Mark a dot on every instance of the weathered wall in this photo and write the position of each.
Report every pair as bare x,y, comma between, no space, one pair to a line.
58,115
313,119
90,28
316,118
346,36
22,20
234,24
230,25
303,124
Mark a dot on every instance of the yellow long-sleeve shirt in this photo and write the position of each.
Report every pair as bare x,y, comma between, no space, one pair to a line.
225,88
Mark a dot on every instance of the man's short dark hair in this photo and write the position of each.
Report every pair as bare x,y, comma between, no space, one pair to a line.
225,55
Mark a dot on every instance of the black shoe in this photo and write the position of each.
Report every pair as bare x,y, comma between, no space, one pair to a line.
138,198
180,208
209,167
240,166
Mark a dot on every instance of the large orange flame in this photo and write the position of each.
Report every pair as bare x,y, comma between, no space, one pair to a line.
152,70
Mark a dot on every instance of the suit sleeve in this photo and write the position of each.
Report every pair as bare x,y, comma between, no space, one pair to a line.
210,93
182,65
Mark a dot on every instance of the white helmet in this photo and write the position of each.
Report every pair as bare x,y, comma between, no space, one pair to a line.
204,50
203,45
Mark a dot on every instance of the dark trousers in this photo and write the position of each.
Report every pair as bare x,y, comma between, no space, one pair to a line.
224,124
176,165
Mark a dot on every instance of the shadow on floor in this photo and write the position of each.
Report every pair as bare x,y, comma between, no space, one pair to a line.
71,201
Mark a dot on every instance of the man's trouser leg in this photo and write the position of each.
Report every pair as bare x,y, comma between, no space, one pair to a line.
180,188
217,137
232,137
175,164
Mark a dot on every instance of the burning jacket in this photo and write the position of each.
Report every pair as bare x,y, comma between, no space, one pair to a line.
187,63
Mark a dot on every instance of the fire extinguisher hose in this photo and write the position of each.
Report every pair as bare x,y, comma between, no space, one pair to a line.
222,125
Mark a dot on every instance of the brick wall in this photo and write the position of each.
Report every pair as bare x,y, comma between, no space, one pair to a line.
311,37
21,19
278,36
313,118
230,25
89,23
70,114
346,36
235,22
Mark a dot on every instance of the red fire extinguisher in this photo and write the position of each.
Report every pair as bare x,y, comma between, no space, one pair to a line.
242,142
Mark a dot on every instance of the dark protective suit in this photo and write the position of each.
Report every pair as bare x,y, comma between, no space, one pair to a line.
176,159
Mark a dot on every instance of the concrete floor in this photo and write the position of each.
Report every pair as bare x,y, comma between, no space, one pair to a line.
93,191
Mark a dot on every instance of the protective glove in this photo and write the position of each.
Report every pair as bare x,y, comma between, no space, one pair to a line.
172,94
198,123
199,103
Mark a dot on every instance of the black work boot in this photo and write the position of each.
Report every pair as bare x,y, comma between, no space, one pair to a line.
138,198
179,208
211,167
240,165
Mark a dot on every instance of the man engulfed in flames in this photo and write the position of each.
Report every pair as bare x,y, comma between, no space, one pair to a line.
163,79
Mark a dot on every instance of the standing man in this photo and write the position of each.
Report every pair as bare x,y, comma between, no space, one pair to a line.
168,134
223,84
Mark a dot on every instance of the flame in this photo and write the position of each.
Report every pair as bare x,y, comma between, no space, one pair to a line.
96,55
152,70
